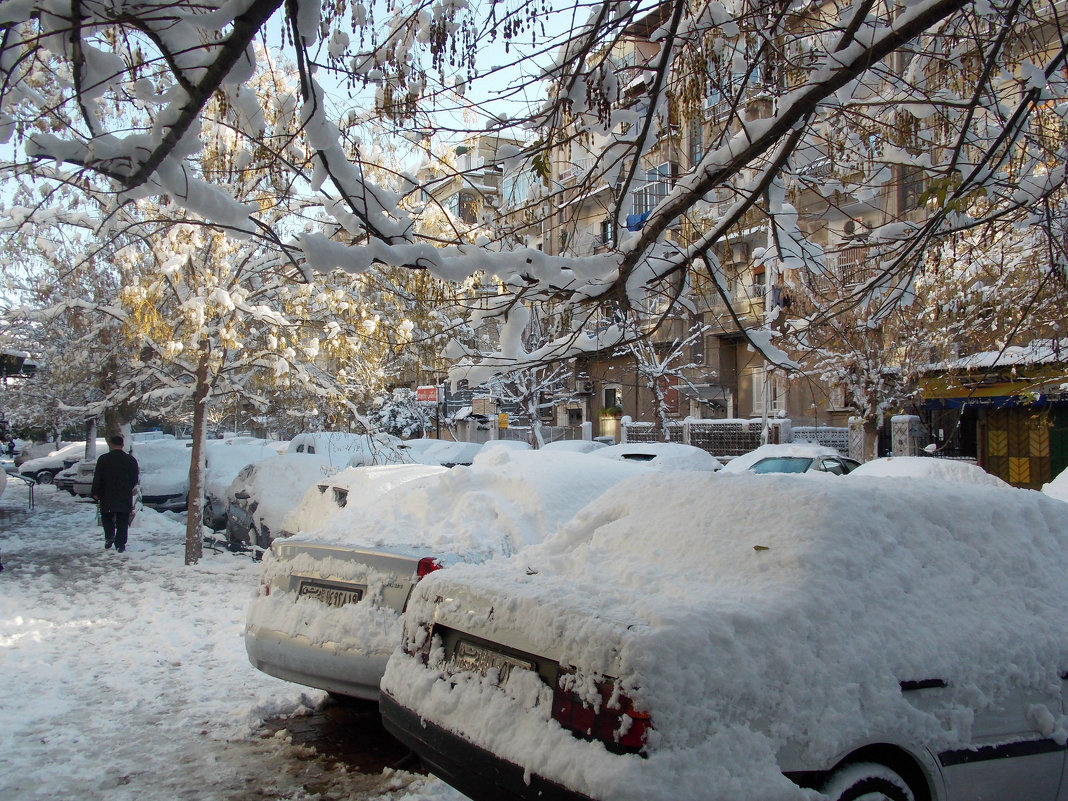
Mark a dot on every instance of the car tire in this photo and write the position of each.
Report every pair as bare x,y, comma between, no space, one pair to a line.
867,781
44,477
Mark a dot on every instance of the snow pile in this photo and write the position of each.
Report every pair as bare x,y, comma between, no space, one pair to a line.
506,500
753,616
1058,488
927,467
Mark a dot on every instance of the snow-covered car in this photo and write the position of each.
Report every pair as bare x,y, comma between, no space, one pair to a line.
262,494
358,485
927,467
351,450
164,473
224,459
84,471
661,455
575,445
44,468
328,614
738,637
792,458
64,479
445,452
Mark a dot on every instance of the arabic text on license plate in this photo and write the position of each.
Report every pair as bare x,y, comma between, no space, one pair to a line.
469,656
331,596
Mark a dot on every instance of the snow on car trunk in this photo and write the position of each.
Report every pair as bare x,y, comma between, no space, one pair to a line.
752,616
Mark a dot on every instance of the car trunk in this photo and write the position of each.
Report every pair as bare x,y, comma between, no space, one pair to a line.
338,575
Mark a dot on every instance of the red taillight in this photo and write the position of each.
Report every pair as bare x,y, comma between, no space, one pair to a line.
427,565
614,722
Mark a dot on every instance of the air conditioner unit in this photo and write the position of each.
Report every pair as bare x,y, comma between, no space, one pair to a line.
583,386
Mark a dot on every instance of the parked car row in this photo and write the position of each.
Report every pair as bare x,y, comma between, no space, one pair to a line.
535,628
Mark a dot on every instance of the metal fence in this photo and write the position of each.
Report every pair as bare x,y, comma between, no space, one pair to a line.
828,436
719,437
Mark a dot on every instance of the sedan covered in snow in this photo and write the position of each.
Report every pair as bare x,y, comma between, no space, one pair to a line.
736,637
793,458
262,493
328,613
661,455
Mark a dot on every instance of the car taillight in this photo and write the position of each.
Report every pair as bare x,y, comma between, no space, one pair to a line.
427,565
614,722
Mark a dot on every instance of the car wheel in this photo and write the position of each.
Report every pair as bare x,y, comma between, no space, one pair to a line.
867,781
44,477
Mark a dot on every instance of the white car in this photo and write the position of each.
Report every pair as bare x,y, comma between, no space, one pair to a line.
224,459
358,485
927,467
262,493
574,445
44,468
444,452
736,637
328,614
350,450
661,455
792,458
163,465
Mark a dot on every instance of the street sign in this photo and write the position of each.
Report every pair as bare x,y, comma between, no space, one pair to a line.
426,394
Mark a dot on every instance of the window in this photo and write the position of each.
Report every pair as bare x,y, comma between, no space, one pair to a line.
769,391
697,141
607,231
912,187
658,181
611,397
466,207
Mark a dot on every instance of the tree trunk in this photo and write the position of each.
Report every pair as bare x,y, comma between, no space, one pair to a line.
90,438
194,526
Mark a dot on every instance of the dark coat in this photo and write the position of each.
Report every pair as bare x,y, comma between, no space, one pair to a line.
114,481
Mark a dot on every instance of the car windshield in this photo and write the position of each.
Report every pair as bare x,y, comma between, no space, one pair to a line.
782,464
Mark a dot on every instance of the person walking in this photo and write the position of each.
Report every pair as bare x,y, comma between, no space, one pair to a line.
114,480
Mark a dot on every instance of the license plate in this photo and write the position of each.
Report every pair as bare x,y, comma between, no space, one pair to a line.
477,659
329,594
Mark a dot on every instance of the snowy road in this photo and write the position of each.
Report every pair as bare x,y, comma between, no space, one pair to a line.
125,677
